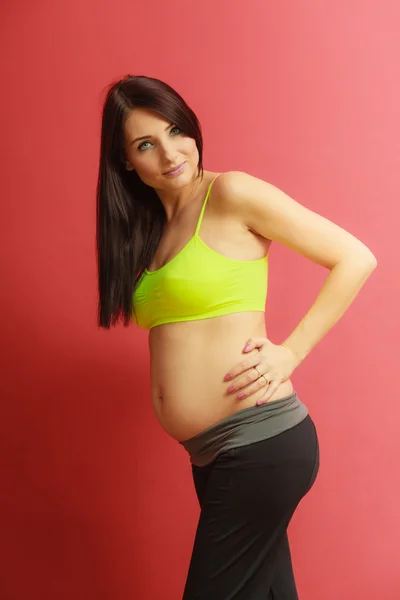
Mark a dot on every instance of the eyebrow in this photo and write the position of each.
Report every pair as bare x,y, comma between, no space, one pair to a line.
144,137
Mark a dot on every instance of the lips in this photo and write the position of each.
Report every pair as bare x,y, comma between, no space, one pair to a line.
173,169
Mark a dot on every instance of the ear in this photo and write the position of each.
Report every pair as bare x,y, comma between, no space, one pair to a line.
129,167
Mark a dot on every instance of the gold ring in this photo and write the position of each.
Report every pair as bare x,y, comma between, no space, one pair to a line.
268,382
259,374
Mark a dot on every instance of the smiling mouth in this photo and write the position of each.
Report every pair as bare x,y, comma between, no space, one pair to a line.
173,169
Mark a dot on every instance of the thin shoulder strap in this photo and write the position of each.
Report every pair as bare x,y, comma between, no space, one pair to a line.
204,205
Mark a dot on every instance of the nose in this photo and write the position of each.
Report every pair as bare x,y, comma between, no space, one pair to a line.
168,153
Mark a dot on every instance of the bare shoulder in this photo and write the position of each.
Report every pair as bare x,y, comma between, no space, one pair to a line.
273,214
245,196
234,188
237,187
226,190
225,182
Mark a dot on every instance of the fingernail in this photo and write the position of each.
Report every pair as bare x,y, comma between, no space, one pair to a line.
241,395
259,402
247,347
230,389
227,377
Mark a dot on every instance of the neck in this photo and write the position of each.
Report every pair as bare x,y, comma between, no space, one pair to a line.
177,201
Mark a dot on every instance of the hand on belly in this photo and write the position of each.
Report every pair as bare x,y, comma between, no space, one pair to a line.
190,394
264,366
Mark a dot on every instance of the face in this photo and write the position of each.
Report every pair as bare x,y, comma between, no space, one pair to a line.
163,147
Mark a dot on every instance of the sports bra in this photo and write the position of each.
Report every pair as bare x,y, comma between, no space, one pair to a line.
199,283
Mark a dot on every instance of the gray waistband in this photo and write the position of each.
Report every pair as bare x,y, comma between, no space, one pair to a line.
245,426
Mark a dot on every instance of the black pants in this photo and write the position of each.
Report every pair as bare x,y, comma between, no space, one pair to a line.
247,498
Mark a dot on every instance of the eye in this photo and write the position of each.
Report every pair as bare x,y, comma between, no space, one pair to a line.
140,147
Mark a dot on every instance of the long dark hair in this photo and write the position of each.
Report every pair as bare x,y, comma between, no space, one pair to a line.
130,215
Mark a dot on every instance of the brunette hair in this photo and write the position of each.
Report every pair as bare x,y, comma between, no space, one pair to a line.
130,217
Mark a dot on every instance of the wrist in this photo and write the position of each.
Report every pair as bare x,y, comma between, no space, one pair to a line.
297,357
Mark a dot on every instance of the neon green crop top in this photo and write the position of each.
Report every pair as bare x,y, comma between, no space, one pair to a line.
199,283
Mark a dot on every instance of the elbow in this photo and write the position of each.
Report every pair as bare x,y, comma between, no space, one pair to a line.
361,258
371,260
364,255
374,262
367,259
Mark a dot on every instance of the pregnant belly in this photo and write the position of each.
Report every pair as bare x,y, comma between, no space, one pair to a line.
189,393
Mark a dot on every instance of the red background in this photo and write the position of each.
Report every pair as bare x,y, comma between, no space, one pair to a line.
97,503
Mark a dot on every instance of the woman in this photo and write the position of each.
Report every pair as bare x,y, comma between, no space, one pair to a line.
184,253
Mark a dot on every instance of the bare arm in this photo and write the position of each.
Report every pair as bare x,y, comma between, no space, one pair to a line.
270,212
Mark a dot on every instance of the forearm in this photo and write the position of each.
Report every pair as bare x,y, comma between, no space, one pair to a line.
342,285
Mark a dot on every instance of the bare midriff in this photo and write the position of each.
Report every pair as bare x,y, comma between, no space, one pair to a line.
188,363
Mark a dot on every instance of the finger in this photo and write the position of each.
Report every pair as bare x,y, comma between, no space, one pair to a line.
245,380
242,366
247,377
252,343
269,393
259,383
252,389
